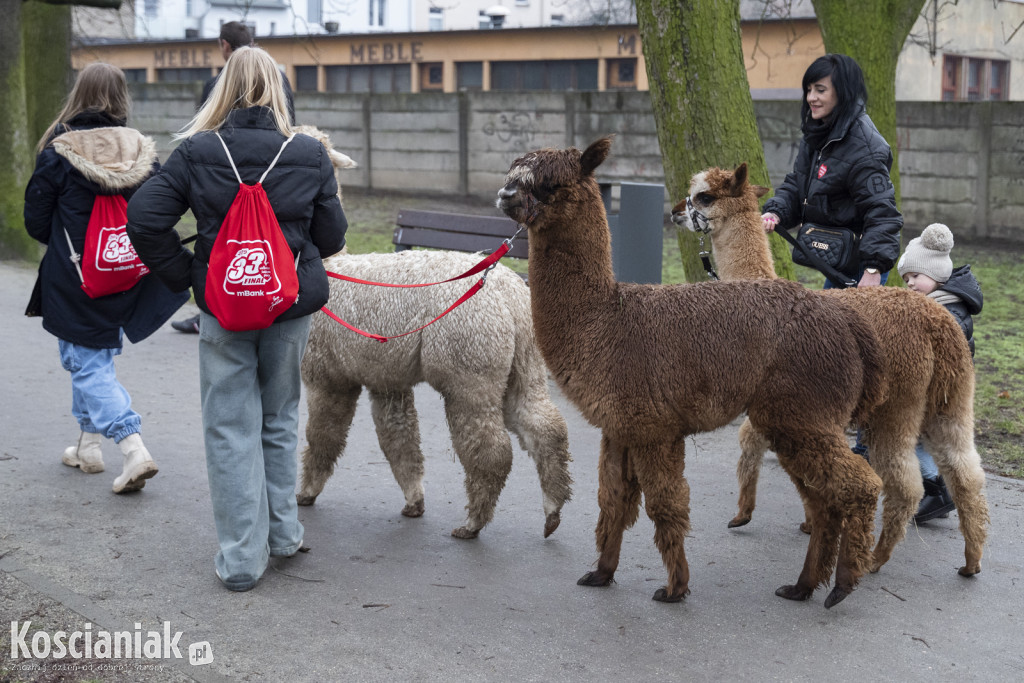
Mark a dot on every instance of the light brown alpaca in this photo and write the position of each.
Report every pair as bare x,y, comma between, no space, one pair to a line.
651,364
927,364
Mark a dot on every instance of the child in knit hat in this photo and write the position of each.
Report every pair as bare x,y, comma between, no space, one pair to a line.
926,268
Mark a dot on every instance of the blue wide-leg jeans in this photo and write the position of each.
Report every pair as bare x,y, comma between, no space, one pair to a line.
98,401
250,385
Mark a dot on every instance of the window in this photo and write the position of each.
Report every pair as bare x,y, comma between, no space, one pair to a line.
377,78
970,79
305,78
432,76
152,8
314,11
557,19
436,19
622,74
569,74
181,75
135,75
378,12
469,75
484,21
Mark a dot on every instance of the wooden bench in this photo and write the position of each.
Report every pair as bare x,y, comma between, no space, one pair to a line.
456,232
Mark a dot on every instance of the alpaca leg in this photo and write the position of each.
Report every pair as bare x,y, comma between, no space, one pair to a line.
824,532
484,449
659,470
618,497
951,443
542,432
398,432
891,445
330,416
753,444
847,489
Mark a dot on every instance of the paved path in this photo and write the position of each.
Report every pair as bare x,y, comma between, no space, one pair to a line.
382,597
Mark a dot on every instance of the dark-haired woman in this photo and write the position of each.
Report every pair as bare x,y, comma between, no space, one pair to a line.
841,175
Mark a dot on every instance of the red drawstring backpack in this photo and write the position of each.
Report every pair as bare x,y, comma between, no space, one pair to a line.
251,278
109,264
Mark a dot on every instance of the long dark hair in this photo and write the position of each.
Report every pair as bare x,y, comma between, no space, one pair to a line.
847,80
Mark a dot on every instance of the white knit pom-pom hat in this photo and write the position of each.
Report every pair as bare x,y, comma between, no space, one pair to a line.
929,254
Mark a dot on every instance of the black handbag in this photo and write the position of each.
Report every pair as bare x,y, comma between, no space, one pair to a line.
839,248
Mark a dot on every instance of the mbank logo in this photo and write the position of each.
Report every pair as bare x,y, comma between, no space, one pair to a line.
85,643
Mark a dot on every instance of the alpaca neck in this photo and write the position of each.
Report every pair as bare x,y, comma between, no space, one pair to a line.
741,249
571,277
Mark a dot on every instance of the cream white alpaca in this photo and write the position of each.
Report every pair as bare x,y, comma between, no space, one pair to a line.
481,357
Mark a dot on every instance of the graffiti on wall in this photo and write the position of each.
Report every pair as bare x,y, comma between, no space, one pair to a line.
515,130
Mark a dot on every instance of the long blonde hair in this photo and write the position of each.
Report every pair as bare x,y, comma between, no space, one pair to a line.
250,78
99,87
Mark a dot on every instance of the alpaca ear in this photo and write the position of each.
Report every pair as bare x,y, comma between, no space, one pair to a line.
739,179
760,190
594,155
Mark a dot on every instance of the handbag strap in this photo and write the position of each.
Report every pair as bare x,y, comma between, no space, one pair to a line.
838,279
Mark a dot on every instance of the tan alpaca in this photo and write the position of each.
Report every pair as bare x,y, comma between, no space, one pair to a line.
927,364
651,364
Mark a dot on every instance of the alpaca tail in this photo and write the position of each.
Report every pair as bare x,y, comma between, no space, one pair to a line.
951,391
874,388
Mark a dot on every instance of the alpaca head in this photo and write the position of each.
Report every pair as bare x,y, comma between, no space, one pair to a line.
547,177
716,194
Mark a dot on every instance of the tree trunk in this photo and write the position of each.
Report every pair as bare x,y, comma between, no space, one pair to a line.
15,142
46,36
701,101
873,33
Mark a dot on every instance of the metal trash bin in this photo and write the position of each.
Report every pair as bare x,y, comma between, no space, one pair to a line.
637,230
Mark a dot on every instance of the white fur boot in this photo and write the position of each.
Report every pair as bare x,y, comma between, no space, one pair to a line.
138,465
86,455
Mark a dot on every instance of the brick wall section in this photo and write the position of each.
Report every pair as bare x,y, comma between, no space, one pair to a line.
961,163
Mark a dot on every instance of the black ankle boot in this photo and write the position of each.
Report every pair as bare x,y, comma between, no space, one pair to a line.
936,501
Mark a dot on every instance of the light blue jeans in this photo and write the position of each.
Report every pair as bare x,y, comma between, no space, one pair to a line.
250,385
929,470
98,401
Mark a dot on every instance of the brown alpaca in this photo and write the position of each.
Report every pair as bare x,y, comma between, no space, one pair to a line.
927,364
651,364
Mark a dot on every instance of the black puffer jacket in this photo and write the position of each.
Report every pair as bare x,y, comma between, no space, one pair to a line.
92,154
845,184
965,288
301,187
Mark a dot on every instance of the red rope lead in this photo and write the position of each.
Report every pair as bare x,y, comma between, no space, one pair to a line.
484,265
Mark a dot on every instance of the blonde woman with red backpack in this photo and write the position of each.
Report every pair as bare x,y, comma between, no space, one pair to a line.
92,290
267,212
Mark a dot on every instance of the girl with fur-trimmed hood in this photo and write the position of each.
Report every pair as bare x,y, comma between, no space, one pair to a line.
88,151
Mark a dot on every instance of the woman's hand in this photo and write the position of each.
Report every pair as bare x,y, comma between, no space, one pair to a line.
769,221
870,279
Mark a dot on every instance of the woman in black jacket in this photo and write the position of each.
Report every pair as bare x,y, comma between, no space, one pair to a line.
249,380
87,155
841,175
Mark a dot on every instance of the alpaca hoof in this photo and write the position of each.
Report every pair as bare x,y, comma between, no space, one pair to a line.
551,523
965,571
464,533
793,592
662,595
413,509
303,499
837,595
594,579
805,527
739,520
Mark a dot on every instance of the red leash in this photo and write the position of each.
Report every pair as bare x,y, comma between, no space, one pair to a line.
485,265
